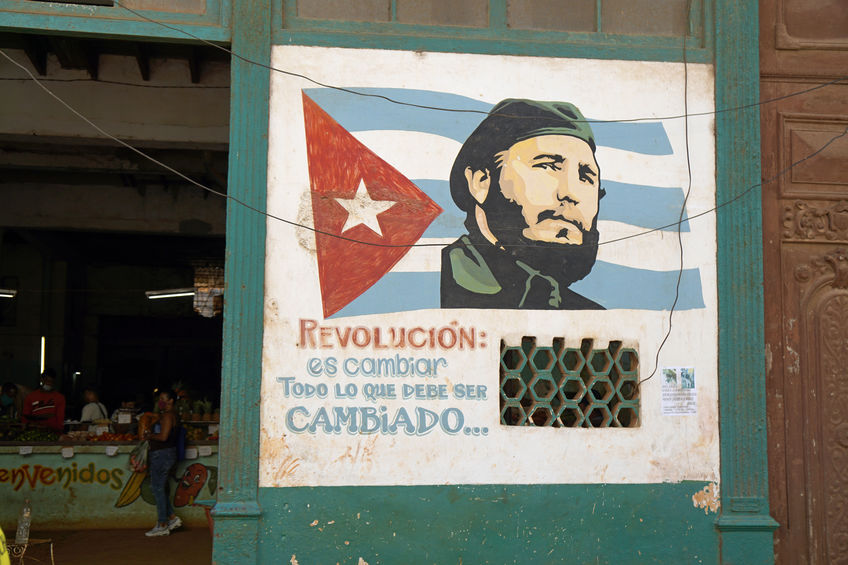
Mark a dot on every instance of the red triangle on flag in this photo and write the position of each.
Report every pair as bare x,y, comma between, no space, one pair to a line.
357,199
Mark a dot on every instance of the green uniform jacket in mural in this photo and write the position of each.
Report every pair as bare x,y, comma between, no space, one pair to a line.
475,274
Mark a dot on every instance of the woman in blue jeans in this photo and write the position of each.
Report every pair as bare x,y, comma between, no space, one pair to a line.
162,457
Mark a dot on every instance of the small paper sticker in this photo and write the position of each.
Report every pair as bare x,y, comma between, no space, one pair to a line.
679,395
100,430
205,450
25,450
111,450
191,453
124,418
67,452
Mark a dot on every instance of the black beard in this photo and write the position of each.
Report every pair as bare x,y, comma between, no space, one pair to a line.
567,263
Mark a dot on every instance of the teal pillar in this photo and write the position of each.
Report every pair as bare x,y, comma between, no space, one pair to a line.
745,525
237,511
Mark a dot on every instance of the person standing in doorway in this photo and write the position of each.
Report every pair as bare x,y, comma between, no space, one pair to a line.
162,458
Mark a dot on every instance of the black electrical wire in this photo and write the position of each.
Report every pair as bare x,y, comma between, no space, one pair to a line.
682,206
372,244
461,110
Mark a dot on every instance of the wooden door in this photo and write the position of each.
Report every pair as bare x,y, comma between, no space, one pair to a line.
804,43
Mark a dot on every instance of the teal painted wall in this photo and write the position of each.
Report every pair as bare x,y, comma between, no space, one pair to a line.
497,524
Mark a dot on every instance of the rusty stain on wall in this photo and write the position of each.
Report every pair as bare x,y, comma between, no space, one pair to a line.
363,452
287,467
707,498
278,450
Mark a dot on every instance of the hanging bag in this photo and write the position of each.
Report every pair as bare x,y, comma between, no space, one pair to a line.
138,457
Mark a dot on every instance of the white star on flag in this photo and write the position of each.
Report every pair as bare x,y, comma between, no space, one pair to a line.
362,209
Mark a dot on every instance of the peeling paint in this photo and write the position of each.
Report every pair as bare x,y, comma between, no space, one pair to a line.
362,562
768,358
305,238
293,560
794,365
707,498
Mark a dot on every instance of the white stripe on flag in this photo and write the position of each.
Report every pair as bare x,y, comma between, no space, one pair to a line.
416,155
427,156
649,170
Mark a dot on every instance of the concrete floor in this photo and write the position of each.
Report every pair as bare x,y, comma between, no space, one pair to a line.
186,546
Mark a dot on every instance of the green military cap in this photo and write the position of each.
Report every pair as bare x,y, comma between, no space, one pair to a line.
517,120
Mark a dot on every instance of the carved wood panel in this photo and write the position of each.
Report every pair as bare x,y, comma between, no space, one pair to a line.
814,419
804,43
803,37
833,371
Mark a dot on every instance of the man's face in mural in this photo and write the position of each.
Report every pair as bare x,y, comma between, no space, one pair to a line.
529,183
552,182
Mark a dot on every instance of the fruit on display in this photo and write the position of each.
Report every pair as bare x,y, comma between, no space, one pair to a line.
206,406
113,437
36,435
145,422
193,433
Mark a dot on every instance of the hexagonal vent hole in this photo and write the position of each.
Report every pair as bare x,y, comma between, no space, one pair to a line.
569,383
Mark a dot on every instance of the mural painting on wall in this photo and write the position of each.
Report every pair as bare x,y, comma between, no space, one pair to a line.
189,486
63,476
530,188
451,214
132,485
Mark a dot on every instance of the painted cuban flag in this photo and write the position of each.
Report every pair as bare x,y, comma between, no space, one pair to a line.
368,186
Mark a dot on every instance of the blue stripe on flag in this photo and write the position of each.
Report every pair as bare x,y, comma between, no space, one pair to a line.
643,206
648,139
615,286
366,113
612,286
451,222
396,292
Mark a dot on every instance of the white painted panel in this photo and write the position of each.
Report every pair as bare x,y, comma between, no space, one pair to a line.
661,449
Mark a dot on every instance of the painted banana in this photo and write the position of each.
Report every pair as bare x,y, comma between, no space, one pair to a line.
132,490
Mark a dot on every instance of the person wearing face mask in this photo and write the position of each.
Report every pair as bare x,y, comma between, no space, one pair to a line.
162,457
45,406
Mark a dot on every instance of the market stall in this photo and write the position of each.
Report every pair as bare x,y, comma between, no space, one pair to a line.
82,478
